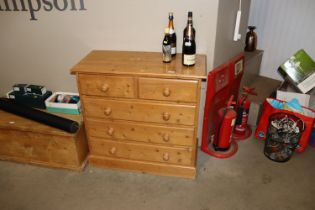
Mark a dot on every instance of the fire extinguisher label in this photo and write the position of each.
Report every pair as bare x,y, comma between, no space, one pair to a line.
233,122
238,67
261,135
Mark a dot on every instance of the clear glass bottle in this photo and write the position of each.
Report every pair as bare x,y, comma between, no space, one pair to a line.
166,46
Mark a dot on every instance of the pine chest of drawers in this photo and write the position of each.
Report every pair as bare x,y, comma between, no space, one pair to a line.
141,114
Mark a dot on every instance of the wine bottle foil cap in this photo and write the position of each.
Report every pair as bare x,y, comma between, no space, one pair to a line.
189,14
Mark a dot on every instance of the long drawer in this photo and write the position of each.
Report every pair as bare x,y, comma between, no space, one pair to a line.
139,111
168,89
173,155
109,86
140,132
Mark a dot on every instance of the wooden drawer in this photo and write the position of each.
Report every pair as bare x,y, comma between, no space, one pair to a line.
173,155
168,89
139,111
110,86
140,132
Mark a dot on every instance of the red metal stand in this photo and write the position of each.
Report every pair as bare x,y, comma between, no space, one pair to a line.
223,82
246,135
222,154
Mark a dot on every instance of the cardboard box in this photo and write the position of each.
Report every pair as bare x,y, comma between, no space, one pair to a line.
299,69
64,102
287,92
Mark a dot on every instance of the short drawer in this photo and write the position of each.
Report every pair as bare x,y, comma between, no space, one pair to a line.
168,89
173,155
140,132
139,111
110,86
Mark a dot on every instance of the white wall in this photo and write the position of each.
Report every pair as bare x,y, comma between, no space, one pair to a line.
43,51
283,27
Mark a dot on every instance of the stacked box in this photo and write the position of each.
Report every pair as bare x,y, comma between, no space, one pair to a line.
30,95
19,88
32,100
36,89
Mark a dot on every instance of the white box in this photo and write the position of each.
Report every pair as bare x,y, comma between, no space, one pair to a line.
59,107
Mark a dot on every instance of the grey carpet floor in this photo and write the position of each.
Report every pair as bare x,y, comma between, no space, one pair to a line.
248,180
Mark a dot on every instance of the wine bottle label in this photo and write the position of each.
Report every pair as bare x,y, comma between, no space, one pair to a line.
188,44
189,59
167,56
173,50
166,48
172,31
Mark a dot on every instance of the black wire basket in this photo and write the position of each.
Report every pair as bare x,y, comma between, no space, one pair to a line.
283,136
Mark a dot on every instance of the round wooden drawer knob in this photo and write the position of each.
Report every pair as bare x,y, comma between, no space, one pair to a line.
166,156
110,131
113,150
105,87
166,116
166,137
108,111
166,92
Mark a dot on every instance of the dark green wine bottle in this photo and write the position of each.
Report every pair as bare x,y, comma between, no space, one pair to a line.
189,44
172,33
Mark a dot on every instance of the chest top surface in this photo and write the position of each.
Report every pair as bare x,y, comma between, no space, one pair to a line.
10,121
139,63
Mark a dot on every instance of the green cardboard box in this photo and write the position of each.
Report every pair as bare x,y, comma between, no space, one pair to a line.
299,69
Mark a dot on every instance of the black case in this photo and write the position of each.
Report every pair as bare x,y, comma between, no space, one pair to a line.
32,100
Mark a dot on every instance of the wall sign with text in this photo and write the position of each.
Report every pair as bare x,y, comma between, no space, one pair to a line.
33,6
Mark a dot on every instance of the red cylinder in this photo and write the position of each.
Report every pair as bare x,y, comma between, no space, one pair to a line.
223,132
241,126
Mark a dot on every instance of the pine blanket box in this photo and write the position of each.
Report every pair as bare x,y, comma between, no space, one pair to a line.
26,141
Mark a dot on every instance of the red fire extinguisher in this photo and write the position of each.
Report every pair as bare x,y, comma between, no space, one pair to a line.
223,146
242,130
225,123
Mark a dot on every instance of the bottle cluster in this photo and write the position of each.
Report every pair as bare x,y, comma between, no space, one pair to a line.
189,44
